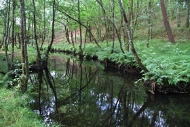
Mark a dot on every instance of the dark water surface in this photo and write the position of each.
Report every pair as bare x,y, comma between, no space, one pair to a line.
77,93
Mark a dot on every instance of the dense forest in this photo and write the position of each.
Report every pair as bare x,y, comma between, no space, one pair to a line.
149,38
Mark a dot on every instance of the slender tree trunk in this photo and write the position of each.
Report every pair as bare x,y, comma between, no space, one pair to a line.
35,33
13,32
80,30
44,33
25,68
149,9
19,40
125,37
138,60
72,40
166,22
178,17
105,21
113,31
52,32
7,32
75,36
67,33
187,17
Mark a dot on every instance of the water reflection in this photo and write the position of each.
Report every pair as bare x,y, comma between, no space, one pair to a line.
80,94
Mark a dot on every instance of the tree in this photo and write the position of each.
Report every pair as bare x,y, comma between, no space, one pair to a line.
166,22
6,36
13,32
52,31
130,41
80,27
35,33
149,12
25,67
187,17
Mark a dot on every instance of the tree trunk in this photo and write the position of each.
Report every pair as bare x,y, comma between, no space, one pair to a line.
25,68
149,22
138,60
52,32
113,31
166,22
67,33
35,33
80,30
178,17
7,32
13,32
187,17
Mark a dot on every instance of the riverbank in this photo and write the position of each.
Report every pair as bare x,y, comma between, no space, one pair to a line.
168,64
15,111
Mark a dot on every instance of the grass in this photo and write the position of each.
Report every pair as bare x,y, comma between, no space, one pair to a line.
14,110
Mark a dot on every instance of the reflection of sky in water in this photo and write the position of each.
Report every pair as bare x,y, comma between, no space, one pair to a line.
53,73
48,108
103,103
104,99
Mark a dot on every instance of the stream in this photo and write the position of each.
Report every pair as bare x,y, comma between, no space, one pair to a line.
74,93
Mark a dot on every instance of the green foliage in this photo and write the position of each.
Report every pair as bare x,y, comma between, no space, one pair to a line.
120,58
3,67
167,64
14,111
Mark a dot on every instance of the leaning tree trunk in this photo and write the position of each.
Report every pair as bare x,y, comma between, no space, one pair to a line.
166,22
130,41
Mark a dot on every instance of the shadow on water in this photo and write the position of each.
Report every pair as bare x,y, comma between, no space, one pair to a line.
76,93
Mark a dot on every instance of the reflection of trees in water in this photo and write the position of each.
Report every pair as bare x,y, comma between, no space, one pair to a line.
87,96
46,99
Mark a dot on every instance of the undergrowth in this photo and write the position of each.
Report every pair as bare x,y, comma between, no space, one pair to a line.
167,63
14,111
